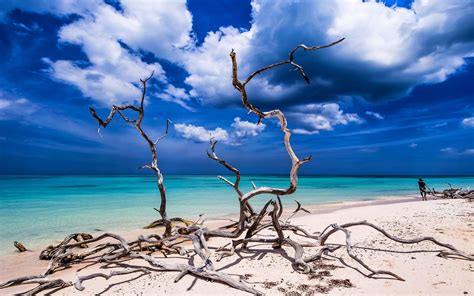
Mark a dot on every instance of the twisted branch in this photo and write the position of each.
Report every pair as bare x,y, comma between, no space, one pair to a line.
240,87
151,144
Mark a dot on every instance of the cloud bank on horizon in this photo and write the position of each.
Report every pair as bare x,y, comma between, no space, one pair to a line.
388,52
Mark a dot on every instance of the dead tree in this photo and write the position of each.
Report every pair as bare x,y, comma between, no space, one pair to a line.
112,251
140,110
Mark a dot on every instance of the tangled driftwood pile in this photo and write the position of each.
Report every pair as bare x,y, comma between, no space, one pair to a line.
191,238
452,193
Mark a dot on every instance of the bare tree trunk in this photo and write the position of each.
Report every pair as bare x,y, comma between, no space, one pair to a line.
151,144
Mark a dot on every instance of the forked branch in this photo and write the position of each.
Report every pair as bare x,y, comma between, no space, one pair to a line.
140,110
240,87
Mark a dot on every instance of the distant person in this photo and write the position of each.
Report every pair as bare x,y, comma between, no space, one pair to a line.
422,186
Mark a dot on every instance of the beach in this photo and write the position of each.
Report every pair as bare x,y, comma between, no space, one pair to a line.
60,205
271,272
223,147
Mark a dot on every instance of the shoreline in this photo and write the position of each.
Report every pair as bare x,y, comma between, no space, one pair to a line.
314,208
37,212
331,206
448,220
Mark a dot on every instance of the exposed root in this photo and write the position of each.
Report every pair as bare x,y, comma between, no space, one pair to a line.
81,279
42,282
453,250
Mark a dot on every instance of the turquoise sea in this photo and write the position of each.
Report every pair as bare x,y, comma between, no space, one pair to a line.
38,209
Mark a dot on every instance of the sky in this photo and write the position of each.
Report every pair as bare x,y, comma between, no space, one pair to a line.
396,97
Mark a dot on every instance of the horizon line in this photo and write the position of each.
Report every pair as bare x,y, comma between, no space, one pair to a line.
267,175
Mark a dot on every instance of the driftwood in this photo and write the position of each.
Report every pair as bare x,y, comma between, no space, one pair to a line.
112,251
20,247
451,193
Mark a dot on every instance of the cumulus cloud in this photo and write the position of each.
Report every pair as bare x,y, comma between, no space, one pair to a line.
176,95
200,134
468,122
374,114
114,41
413,145
244,128
240,129
387,51
209,65
317,117
104,85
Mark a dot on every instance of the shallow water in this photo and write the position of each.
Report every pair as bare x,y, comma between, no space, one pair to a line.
38,209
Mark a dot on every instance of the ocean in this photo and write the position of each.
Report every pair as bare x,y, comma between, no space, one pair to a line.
38,210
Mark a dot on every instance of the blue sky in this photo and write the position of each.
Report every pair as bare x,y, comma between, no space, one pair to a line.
395,98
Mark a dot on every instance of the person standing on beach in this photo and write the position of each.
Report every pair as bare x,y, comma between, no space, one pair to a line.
422,186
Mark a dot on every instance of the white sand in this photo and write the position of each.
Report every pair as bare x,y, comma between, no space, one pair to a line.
449,221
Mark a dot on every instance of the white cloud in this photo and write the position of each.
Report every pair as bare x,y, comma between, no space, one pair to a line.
387,51
454,151
112,41
33,28
301,131
369,149
468,122
176,95
240,129
468,152
15,107
209,65
317,117
442,124
244,128
374,114
4,103
413,145
448,150
27,113
57,7
201,134
104,86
